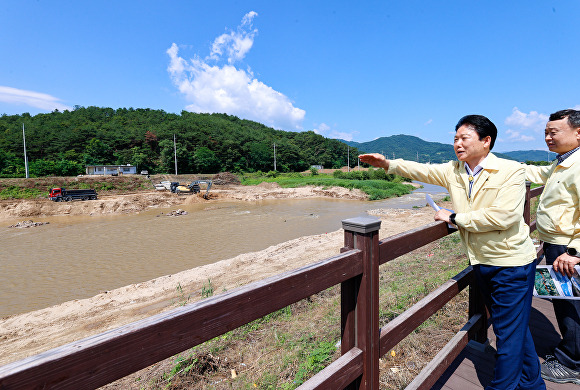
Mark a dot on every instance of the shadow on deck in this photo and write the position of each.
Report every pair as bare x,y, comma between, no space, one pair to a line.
473,368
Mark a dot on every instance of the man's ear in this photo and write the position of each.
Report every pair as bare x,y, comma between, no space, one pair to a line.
487,142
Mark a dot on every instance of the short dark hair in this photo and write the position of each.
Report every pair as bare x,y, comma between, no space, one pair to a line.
481,125
572,115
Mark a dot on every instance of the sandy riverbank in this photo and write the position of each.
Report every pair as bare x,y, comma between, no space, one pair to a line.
31,333
132,203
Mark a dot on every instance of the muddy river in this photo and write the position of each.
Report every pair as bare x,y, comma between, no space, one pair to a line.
76,257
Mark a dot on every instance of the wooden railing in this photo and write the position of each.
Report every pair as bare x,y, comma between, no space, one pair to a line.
106,357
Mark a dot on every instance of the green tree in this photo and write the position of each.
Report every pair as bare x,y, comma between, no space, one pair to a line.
260,157
205,161
98,152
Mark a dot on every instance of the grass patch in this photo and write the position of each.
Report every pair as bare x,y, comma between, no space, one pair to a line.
15,192
376,189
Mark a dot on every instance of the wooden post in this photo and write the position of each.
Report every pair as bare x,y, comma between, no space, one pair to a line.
477,306
360,300
527,207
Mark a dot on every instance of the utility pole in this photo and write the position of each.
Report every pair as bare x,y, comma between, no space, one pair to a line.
274,156
25,158
175,154
348,158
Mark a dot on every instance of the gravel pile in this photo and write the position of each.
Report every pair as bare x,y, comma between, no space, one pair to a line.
224,178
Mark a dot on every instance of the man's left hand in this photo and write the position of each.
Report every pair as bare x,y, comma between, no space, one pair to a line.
565,264
443,215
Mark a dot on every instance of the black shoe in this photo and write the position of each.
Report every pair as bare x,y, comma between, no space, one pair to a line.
554,371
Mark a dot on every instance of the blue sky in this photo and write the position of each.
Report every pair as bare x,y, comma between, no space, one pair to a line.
351,70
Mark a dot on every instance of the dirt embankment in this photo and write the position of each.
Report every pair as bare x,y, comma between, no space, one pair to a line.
133,194
132,203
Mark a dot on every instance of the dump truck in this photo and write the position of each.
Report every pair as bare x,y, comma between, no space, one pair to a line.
64,195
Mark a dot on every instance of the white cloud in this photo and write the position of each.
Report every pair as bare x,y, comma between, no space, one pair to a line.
236,43
214,88
517,136
326,131
531,121
322,129
524,127
428,122
34,99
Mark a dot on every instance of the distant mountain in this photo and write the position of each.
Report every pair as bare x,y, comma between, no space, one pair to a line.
407,147
531,155
413,148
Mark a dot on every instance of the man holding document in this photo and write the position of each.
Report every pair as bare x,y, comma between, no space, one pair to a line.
488,195
558,221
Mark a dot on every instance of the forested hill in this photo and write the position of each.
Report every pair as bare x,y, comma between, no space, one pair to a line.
62,143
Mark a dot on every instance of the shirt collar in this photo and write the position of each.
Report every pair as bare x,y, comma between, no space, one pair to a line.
564,156
478,168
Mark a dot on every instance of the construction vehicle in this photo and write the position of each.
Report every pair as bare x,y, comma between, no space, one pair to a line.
64,195
193,187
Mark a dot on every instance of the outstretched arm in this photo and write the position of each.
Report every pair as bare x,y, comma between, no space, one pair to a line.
375,159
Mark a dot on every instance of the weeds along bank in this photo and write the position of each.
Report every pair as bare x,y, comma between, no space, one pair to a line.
283,349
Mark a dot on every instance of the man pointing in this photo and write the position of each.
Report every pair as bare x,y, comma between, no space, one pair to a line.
488,195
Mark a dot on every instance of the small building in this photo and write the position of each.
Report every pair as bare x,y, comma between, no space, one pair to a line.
111,170
318,167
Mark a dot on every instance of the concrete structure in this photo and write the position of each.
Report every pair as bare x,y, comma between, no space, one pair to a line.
111,170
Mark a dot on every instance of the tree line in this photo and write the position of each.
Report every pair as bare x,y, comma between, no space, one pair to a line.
63,143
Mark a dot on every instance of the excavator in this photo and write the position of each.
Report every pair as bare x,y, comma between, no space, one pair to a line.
194,187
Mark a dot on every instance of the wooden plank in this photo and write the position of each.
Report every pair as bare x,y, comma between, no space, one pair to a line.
474,369
444,358
536,191
402,243
527,215
462,374
339,373
348,293
399,328
459,383
103,358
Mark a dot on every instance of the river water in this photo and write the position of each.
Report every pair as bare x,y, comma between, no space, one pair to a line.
75,257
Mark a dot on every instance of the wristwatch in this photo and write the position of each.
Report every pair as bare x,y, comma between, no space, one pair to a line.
452,218
572,252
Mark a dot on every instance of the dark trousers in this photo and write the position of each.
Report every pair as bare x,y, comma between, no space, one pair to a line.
568,317
508,297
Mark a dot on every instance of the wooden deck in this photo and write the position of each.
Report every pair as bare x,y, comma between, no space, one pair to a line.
473,368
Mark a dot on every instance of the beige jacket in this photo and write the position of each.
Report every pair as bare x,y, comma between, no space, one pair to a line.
558,216
491,222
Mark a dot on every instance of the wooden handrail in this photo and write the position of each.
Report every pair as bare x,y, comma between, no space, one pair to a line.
410,319
106,357
397,245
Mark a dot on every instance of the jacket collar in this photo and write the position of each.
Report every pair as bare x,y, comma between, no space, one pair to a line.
573,158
